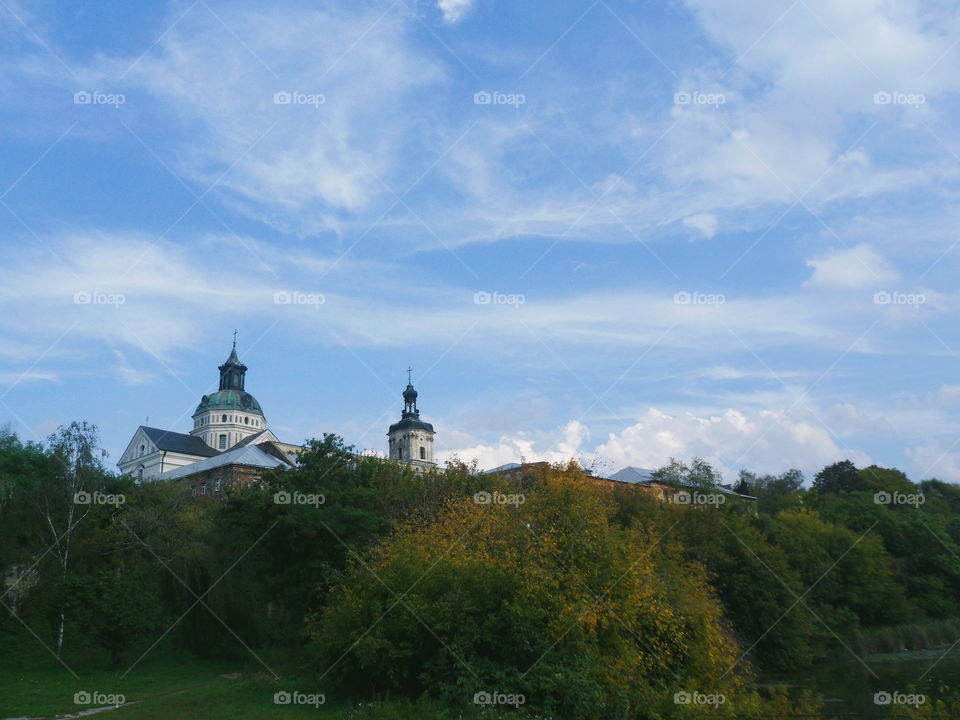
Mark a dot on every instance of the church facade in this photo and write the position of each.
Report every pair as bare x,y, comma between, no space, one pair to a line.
231,443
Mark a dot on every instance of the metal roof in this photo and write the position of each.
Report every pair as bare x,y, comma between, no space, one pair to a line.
229,399
178,442
251,456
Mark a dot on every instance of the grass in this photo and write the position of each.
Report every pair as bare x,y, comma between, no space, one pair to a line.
167,684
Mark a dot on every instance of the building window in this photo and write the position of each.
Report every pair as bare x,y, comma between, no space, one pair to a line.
223,442
216,485
246,421
142,450
423,453
223,419
203,488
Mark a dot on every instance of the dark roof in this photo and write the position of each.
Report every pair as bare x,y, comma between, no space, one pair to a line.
411,423
178,442
248,439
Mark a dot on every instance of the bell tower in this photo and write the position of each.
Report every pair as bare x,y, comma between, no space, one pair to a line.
411,439
231,414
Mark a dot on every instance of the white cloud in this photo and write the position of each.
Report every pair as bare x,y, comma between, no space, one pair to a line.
856,267
454,10
932,459
706,223
759,440
354,105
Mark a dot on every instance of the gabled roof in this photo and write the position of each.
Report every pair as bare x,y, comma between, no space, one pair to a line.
255,439
631,474
178,442
251,456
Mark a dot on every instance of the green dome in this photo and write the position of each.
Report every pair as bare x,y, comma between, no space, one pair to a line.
229,400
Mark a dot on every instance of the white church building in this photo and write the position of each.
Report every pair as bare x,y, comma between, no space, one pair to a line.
230,440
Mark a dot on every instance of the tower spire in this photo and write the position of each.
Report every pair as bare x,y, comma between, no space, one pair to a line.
234,339
409,370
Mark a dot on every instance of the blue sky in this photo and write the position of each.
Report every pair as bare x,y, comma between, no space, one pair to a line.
615,231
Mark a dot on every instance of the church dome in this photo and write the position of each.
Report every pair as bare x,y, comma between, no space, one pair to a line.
229,399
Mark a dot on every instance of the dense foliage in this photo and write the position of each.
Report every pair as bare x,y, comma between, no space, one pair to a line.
588,599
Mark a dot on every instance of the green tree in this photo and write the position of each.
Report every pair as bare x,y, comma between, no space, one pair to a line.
839,477
549,598
699,473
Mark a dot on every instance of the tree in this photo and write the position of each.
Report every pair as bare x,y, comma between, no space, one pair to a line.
549,598
839,477
79,471
774,493
699,474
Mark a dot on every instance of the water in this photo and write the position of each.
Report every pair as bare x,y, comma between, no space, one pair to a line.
848,688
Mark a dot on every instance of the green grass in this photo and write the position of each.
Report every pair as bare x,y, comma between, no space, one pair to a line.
168,685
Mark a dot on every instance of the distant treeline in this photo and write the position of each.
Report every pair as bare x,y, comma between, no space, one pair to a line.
586,600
